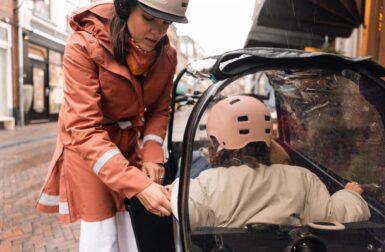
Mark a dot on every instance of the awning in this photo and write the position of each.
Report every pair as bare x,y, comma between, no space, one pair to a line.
319,18
262,36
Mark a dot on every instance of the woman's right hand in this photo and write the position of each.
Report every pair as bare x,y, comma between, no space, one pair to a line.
156,199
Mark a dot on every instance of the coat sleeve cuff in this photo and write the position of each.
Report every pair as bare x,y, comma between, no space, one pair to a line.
116,172
153,152
142,184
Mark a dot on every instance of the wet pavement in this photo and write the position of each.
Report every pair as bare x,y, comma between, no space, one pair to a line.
24,158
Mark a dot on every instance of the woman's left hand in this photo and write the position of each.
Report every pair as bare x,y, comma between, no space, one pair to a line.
154,171
355,187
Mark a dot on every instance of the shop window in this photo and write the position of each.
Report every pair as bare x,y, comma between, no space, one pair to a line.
42,8
38,91
5,70
56,81
37,52
3,75
3,34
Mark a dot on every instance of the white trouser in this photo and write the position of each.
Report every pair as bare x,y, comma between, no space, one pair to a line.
115,234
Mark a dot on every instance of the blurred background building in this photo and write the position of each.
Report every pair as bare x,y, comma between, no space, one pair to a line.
34,33
352,28
349,27
6,63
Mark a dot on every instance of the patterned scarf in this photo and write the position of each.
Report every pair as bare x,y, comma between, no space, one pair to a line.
138,60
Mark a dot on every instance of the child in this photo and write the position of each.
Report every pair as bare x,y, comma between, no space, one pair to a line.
247,188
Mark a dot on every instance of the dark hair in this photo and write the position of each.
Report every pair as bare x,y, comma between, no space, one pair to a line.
119,32
252,155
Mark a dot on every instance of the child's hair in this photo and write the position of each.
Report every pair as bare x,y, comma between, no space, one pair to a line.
252,155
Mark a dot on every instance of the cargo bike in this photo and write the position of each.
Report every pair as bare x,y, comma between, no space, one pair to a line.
329,117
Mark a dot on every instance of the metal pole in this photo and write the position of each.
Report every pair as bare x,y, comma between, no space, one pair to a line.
21,60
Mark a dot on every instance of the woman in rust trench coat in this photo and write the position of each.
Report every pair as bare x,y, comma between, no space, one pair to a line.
118,68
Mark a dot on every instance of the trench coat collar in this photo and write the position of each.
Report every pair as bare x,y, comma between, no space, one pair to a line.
94,19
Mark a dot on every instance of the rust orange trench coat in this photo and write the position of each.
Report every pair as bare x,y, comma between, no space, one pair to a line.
95,162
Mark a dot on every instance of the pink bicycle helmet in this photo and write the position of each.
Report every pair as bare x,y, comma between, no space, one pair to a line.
238,120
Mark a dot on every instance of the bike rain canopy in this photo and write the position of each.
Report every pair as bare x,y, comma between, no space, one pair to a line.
328,129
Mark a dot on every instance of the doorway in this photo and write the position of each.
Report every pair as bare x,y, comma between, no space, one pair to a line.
39,109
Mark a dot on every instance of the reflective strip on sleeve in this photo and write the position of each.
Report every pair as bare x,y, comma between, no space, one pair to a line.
104,159
63,208
49,200
154,138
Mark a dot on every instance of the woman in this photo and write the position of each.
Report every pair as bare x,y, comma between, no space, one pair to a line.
118,67
246,188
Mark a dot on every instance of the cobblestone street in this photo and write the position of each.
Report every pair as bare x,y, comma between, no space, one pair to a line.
24,158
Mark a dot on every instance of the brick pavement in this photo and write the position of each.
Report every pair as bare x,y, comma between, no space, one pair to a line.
24,158
30,133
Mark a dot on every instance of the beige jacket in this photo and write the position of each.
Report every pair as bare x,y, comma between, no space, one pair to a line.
281,194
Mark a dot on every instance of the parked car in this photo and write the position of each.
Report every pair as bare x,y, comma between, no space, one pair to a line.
331,120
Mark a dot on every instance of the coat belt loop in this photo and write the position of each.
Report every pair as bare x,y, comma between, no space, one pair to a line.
124,124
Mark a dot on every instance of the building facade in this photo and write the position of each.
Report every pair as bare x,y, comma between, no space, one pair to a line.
353,28
368,39
6,61
188,51
44,32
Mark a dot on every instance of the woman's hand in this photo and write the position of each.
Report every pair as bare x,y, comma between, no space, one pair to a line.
355,187
156,199
154,171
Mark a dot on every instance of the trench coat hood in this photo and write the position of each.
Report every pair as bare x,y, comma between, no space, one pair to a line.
95,20
83,20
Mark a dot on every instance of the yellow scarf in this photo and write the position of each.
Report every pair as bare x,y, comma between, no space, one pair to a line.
138,60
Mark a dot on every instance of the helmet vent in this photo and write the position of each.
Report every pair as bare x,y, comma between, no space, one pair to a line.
267,131
267,118
243,118
244,132
234,101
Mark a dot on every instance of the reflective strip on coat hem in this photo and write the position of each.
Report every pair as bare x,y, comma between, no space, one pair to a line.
63,208
154,138
104,159
49,200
